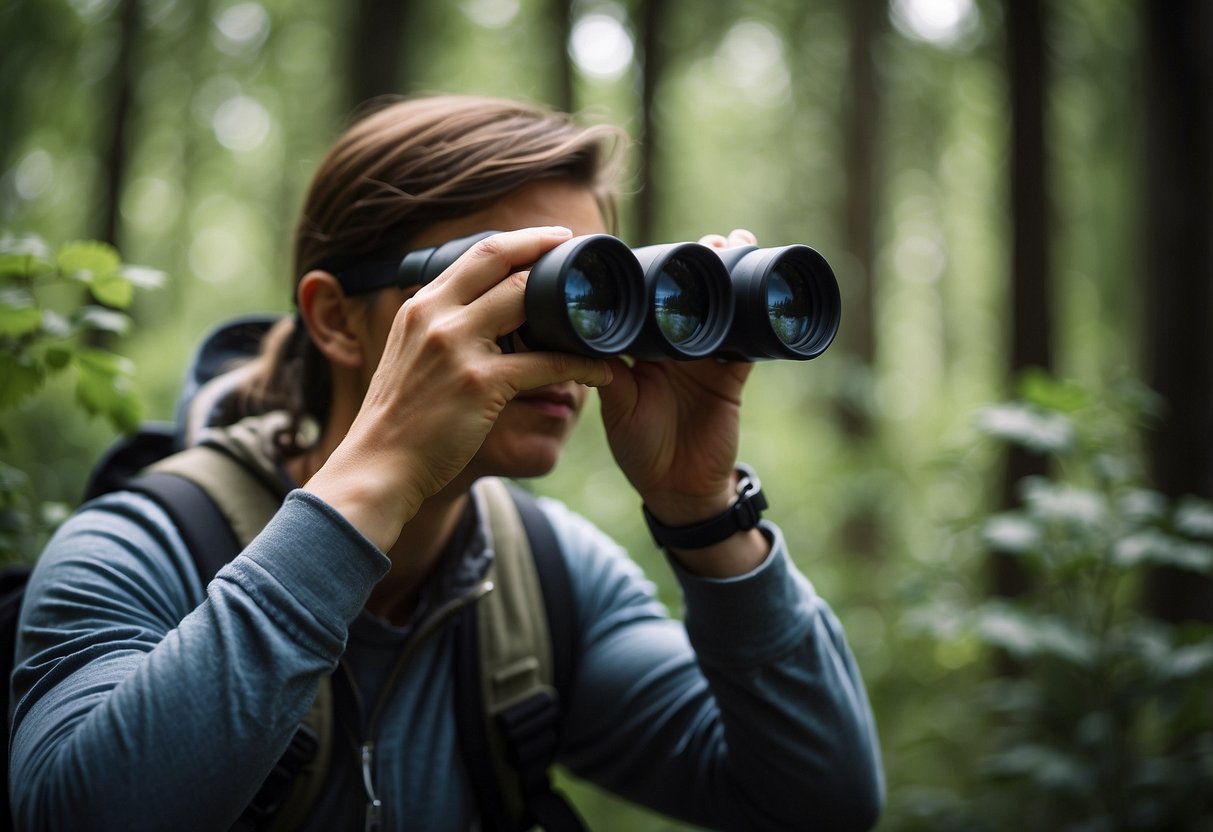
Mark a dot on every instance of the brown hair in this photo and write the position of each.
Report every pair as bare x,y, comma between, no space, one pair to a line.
409,164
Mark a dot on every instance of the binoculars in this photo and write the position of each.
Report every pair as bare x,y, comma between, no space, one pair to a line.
595,296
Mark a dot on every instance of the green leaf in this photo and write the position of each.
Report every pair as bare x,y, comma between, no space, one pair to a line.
1024,425
57,357
1051,768
112,289
1058,502
12,479
1043,390
1189,662
1194,518
1148,546
19,379
100,319
1195,557
142,277
1028,636
1012,533
1142,505
1155,547
18,314
126,412
86,260
103,387
24,257
94,389
103,362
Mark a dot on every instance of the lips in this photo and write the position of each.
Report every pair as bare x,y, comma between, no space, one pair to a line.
549,400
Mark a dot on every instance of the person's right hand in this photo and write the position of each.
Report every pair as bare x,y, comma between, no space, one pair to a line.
440,384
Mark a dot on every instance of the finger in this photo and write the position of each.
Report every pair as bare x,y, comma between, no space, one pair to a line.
620,394
742,237
501,309
492,259
531,370
714,241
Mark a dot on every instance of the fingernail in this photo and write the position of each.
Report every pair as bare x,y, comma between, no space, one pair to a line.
557,231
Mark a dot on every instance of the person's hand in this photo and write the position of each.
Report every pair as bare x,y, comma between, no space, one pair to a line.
440,384
673,427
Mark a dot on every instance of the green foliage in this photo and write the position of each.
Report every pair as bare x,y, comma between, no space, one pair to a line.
1101,717
55,308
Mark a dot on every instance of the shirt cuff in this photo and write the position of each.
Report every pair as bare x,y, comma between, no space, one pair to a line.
748,619
317,556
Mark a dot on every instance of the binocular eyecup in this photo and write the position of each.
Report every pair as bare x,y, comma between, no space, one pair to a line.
595,296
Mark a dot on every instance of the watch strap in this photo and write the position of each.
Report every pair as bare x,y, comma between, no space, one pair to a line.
741,516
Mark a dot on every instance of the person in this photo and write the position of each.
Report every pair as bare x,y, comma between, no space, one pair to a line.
146,700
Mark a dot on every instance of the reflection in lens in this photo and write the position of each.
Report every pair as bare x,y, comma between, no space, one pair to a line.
591,296
680,302
789,305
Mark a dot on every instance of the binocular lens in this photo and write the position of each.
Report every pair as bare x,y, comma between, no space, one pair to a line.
680,302
591,294
789,304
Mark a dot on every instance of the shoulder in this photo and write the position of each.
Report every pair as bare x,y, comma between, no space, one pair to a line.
121,546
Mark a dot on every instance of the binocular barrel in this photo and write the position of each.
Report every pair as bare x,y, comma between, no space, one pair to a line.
593,295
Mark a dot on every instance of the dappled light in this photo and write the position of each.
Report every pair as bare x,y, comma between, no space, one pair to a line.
940,22
601,46
998,492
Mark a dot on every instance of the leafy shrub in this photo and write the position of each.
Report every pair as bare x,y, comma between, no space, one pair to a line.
57,307
1105,718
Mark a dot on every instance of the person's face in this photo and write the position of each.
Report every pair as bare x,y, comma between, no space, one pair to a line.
531,431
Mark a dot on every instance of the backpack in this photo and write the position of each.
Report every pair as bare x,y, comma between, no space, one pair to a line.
514,657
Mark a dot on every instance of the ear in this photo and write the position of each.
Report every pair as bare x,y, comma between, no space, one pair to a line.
335,322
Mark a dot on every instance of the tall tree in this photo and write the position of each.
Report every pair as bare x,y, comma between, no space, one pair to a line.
561,15
121,103
861,128
1031,307
861,120
653,19
1178,270
376,57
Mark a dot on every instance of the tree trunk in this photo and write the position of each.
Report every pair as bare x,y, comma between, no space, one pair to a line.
563,97
121,101
861,126
1178,271
652,22
1031,308
376,57
861,113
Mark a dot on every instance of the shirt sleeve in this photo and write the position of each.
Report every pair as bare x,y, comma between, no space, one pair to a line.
750,715
143,700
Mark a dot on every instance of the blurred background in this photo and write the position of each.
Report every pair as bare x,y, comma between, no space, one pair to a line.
998,475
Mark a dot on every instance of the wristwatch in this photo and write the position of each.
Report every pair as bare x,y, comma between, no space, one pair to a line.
741,516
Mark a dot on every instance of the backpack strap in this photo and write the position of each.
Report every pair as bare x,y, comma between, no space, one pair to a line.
206,534
219,506
513,664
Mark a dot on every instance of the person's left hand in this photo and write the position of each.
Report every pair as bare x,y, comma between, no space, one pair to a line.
673,427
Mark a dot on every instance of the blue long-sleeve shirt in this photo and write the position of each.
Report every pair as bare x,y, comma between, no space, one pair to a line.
146,701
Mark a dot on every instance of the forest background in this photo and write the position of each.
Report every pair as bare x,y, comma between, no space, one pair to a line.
999,474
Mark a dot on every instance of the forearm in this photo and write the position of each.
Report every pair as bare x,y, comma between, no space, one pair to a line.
801,742
133,715
764,724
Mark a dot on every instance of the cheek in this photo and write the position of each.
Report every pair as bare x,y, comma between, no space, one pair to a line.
381,314
582,394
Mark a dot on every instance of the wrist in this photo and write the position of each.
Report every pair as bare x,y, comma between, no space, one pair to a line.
737,512
377,506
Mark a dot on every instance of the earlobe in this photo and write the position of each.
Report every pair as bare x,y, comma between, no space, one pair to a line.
332,321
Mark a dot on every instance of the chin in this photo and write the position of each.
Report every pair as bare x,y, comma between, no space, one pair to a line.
534,459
